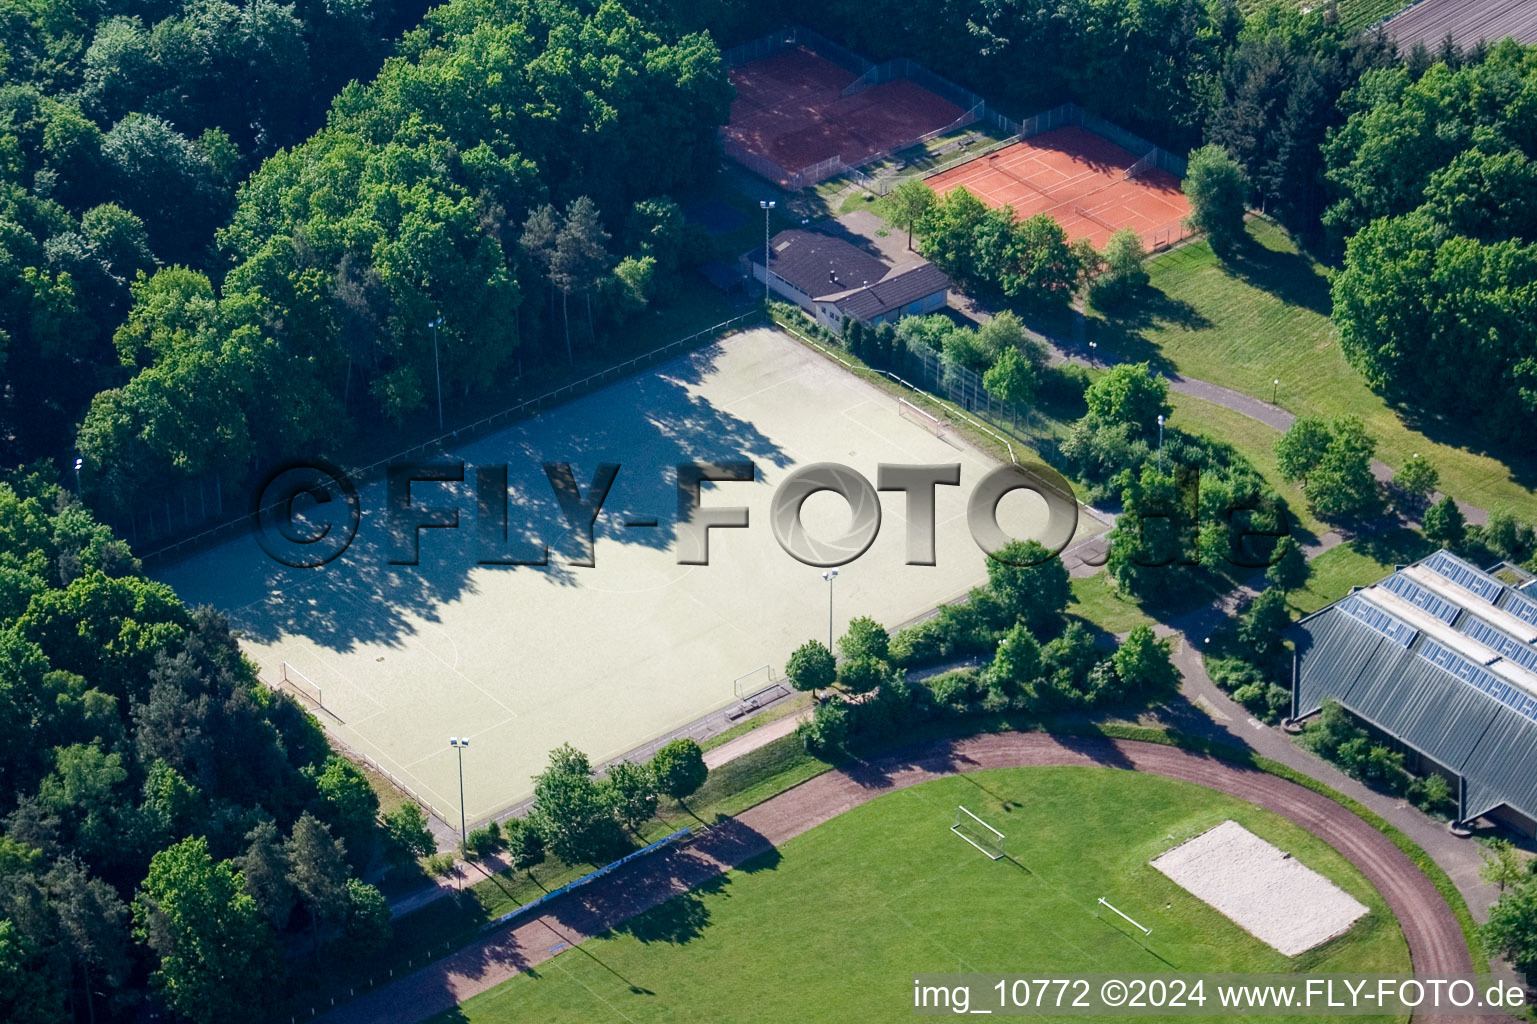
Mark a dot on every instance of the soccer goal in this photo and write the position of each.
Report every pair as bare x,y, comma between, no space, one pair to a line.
978,833
301,684
927,420
750,683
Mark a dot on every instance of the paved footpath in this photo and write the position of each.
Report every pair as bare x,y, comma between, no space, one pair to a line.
1436,944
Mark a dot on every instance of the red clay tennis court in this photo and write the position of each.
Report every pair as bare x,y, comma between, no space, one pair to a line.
790,111
1089,185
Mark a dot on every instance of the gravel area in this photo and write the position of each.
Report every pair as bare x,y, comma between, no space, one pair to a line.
1278,900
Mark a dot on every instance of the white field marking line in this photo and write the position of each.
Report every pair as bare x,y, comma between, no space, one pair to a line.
571,944
411,645
328,662
418,786
719,618
927,935
474,735
555,960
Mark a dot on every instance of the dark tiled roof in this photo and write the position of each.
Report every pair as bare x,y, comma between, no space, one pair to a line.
861,284
820,265
894,292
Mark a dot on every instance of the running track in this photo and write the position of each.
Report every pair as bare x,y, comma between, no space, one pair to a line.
1436,944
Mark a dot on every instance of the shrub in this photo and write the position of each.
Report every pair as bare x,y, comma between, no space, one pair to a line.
811,667
865,639
1251,696
1431,793
958,692
482,843
525,846
861,674
827,731
440,864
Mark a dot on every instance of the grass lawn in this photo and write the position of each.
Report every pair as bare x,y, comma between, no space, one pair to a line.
1265,316
1257,443
1096,602
832,925
1355,564
450,923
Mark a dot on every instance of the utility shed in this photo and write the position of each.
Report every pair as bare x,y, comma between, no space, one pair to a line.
1442,657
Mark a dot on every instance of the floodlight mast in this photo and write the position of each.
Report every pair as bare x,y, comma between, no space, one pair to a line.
829,576
767,204
459,743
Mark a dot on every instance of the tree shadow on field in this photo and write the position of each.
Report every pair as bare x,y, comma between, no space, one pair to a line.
1289,276
647,424
1120,335
935,757
1098,749
662,898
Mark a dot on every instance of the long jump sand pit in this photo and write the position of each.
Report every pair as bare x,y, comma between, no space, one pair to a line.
1280,901
523,658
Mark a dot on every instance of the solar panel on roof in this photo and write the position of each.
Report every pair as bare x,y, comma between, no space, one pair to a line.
1502,643
1522,607
1395,629
1418,596
1465,576
1480,678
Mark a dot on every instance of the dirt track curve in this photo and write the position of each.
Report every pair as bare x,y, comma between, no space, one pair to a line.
1436,944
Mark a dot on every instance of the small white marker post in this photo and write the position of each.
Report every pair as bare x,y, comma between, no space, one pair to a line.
1145,931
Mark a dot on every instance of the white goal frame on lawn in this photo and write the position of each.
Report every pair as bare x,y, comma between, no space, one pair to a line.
988,839
925,419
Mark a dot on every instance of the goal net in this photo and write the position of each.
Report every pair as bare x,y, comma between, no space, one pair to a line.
301,684
749,683
927,420
978,833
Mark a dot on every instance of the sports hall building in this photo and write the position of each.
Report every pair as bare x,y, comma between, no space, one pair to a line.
1442,658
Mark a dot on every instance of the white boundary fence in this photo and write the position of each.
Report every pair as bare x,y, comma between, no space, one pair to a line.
593,876
526,407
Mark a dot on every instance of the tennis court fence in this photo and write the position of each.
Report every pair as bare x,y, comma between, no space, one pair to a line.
975,106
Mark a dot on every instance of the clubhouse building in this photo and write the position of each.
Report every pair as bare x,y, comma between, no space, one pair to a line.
833,280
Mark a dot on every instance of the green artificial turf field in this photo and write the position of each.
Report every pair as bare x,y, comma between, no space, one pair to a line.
832,926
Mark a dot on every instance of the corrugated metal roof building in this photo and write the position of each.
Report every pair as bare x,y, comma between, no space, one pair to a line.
1442,657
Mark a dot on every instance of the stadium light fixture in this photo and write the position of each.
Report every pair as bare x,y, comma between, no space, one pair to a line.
767,204
437,370
829,576
459,743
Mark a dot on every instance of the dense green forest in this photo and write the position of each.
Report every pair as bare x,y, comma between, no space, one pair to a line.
125,129
1436,177
477,175
164,818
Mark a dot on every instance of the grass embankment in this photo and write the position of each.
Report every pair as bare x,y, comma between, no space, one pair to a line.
1264,316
